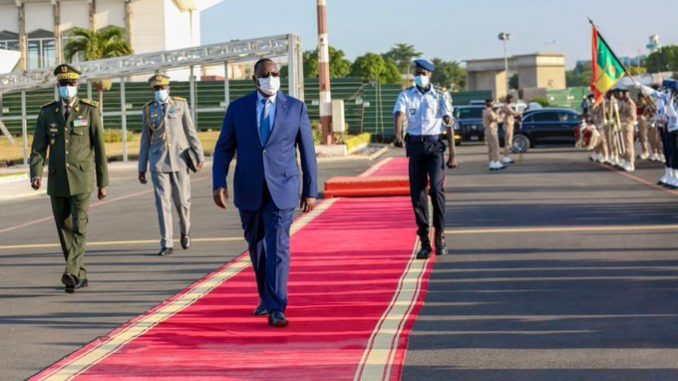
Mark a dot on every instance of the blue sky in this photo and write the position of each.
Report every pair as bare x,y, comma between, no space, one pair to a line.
452,29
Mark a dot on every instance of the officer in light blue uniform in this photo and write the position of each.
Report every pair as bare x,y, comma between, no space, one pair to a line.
429,114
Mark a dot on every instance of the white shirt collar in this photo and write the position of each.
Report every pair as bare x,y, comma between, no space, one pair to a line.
64,104
431,91
272,98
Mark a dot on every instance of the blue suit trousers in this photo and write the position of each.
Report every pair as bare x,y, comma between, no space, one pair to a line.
267,232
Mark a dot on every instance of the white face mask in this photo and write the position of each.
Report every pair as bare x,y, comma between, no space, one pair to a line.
269,85
161,95
68,92
421,81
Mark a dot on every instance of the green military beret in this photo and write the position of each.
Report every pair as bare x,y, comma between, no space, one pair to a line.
66,72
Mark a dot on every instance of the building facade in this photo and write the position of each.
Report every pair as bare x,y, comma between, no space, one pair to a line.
39,29
535,71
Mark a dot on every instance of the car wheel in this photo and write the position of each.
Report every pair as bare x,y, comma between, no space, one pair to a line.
457,143
521,143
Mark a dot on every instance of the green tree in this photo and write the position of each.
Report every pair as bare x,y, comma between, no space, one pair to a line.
108,42
664,59
373,67
402,55
449,74
514,82
340,66
575,78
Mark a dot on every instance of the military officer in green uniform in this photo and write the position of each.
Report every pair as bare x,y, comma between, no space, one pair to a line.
71,129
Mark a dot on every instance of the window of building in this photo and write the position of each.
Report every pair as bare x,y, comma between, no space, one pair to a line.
41,49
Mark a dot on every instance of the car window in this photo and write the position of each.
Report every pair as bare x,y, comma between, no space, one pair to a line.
546,117
528,119
468,112
569,117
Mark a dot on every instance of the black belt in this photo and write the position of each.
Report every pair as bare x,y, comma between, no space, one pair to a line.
422,138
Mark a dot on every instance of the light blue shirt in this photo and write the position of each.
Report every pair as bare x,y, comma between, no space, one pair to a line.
271,111
424,111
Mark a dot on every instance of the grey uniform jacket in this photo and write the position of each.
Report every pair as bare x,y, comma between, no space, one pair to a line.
166,135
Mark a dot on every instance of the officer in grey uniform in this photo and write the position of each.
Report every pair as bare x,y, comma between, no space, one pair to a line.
167,136
428,115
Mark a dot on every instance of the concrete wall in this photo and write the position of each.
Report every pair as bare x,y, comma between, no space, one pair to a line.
552,78
74,13
109,12
495,81
9,18
38,16
148,26
545,71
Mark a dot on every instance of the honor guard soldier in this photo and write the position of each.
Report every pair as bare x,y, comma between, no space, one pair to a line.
627,114
71,129
170,146
428,115
510,114
601,150
490,120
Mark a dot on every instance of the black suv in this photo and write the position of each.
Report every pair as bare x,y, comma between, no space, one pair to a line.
469,123
544,126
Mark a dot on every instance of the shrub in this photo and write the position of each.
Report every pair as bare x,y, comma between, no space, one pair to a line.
542,101
115,136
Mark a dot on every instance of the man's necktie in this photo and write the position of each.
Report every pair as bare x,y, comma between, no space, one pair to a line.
265,122
67,112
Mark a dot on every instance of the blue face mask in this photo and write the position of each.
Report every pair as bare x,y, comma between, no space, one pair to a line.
161,95
67,92
421,81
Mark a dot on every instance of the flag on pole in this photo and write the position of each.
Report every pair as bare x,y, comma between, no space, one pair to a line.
607,69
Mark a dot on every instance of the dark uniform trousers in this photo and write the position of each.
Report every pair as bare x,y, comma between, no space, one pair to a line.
267,232
70,215
670,146
427,166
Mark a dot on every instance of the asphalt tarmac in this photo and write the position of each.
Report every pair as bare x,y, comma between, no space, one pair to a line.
557,269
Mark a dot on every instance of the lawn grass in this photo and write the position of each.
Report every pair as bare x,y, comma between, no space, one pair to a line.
13,154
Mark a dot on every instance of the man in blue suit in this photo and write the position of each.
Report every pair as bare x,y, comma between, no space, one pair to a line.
265,128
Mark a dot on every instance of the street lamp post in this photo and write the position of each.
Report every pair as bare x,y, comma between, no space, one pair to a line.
504,37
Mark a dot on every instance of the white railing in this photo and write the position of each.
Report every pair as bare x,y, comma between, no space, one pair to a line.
283,48
275,47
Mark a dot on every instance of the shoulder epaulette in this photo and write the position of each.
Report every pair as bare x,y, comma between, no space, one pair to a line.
89,102
179,99
48,104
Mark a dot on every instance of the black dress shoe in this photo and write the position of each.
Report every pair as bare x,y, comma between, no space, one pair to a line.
165,251
261,310
69,280
185,241
424,252
81,284
277,319
441,246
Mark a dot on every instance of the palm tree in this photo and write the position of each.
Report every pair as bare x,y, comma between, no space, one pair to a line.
95,45
402,55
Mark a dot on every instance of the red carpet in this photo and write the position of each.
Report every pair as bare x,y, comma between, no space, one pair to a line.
373,186
354,294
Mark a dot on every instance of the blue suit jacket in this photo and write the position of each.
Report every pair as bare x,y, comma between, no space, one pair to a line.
275,163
